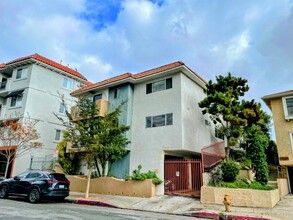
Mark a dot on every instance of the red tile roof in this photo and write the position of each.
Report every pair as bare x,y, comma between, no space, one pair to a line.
48,62
88,83
136,76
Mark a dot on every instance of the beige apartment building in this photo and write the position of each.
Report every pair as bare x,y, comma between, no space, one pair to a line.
281,105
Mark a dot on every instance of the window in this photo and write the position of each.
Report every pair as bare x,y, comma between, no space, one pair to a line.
57,135
116,93
68,83
159,85
16,101
288,107
97,97
21,73
62,108
159,120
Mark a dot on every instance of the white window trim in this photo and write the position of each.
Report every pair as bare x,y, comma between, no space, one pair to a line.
60,137
291,140
66,87
65,107
21,76
18,104
287,117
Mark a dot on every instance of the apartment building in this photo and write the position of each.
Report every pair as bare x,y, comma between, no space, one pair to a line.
162,112
31,86
281,105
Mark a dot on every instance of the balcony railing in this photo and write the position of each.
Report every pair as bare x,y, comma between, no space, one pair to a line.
102,109
70,148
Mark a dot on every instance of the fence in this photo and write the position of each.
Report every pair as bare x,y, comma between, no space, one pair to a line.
43,163
213,154
183,177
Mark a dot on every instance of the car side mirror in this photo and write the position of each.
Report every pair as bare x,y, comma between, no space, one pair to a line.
16,178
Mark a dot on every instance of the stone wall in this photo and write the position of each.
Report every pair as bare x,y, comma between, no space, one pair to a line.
113,186
240,197
283,186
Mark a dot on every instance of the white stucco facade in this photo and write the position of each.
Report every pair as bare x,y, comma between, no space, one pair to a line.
184,137
40,99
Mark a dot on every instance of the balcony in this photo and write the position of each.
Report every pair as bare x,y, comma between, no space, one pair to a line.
73,149
102,109
5,87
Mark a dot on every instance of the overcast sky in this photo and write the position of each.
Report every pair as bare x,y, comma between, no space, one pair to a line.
104,38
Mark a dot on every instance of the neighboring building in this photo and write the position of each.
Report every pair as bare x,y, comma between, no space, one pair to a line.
281,105
163,113
31,85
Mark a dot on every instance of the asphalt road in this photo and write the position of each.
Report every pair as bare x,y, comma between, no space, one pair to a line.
19,209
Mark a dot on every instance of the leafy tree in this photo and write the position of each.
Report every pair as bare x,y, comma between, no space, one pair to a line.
18,138
223,106
101,138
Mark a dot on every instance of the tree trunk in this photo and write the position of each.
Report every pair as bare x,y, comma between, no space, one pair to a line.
88,181
109,168
97,166
7,167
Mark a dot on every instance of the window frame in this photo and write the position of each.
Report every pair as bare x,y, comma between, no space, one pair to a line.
150,123
97,95
117,92
21,74
63,108
167,84
59,132
286,113
66,83
18,103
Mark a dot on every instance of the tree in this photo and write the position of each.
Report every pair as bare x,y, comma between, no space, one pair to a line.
257,142
18,138
224,107
101,138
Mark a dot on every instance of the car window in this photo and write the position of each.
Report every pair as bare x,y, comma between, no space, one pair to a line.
33,175
22,175
58,176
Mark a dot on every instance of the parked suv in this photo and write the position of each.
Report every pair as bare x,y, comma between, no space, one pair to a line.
36,185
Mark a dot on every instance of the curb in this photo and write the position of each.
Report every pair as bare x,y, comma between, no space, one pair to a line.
90,202
213,215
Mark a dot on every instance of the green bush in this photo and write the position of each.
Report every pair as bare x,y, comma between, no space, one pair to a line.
237,154
244,184
216,175
137,175
230,170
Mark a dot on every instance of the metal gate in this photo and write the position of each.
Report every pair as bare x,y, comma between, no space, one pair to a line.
183,177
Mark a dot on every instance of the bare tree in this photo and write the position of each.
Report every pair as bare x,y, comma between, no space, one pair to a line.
18,138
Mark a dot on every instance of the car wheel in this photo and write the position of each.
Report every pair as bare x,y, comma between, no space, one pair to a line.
34,196
3,192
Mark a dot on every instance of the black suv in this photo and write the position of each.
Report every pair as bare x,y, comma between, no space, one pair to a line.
36,185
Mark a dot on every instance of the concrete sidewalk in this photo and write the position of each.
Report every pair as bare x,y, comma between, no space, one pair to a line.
185,206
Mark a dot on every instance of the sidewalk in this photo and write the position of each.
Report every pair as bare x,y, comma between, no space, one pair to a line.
185,206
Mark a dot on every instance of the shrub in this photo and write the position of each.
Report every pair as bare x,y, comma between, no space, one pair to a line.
216,175
230,170
244,184
137,175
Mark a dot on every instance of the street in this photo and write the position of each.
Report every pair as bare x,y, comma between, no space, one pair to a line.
17,208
